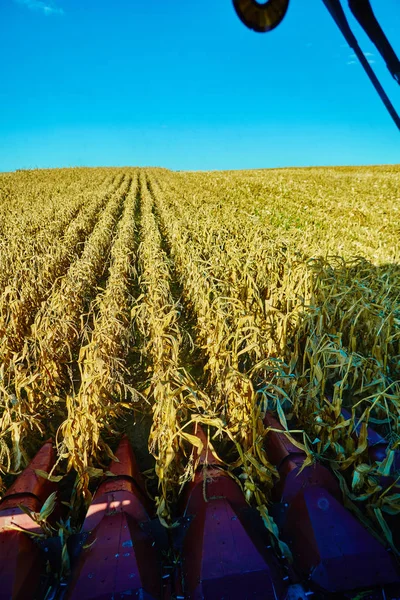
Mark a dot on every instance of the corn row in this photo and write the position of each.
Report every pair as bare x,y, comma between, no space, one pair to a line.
159,325
43,373
51,210
58,325
220,319
221,332
250,281
20,302
103,391
176,397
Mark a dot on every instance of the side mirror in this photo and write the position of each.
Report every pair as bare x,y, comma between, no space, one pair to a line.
261,17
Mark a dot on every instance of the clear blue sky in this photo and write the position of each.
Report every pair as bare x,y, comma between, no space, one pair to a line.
183,84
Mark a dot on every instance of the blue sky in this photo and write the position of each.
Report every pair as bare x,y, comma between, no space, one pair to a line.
186,86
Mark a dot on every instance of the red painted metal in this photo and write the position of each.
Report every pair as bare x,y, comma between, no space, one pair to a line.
377,452
377,445
288,458
21,561
221,558
330,547
119,559
31,483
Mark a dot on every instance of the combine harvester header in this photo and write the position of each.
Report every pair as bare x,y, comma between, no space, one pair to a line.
223,547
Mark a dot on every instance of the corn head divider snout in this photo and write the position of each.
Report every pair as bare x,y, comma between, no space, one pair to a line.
223,549
330,547
21,561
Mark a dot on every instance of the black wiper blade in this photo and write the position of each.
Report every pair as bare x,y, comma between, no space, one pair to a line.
362,10
336,10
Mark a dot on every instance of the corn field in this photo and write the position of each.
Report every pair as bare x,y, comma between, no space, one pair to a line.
133,296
